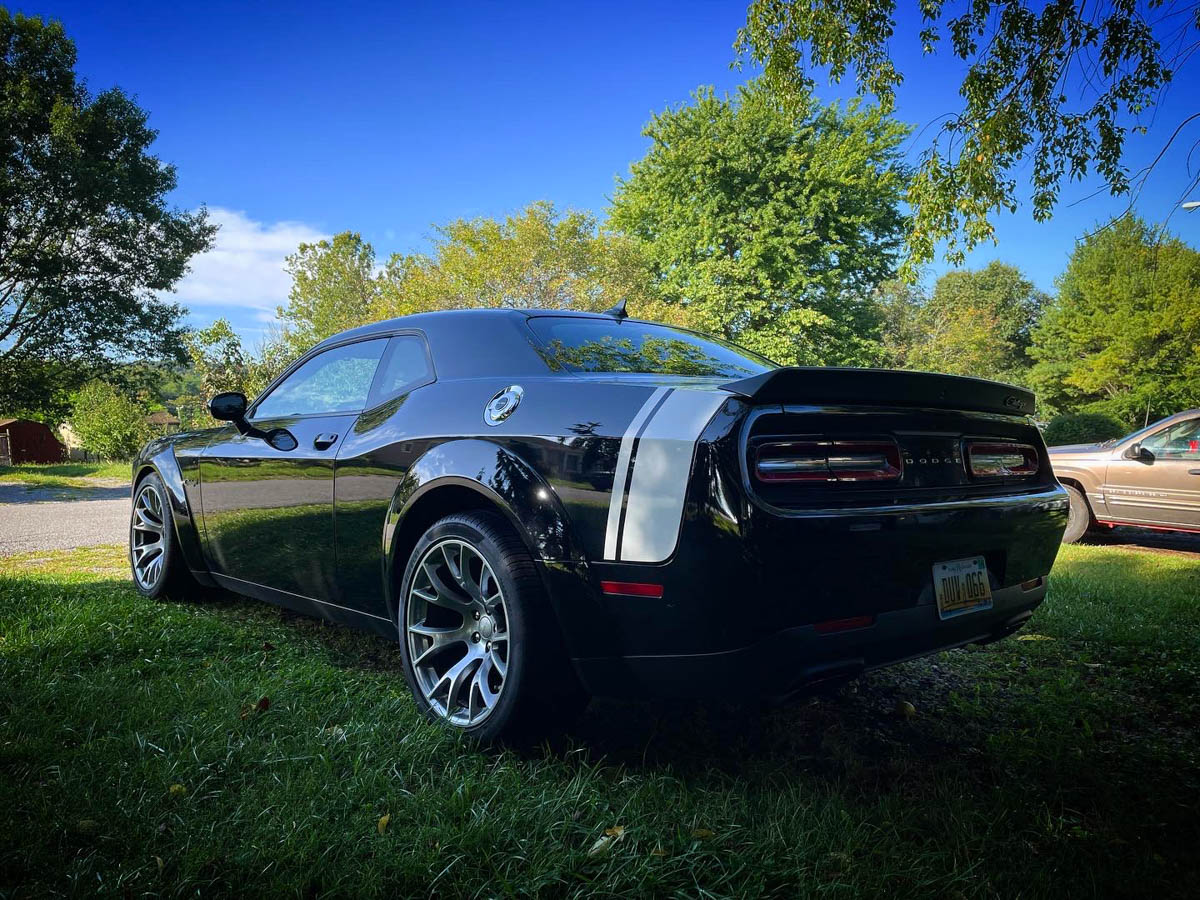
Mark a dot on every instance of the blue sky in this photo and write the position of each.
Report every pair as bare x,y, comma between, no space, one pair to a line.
293,121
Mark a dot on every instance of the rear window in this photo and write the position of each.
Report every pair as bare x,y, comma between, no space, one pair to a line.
601,345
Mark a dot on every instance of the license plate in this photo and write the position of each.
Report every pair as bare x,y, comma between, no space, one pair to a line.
961,586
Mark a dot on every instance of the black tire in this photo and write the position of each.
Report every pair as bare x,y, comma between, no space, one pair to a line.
539,695
1080,520
171,579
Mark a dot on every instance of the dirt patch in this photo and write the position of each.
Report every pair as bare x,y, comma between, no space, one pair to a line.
1166,542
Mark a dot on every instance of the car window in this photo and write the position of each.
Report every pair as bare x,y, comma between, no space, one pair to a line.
1148,429
1179,441
405,366
604,345
337,380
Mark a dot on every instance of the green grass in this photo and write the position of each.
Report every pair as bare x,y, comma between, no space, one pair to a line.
137,757
65,474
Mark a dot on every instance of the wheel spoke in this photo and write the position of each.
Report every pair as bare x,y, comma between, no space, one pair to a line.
144,522
437,632
440,638
452,564
433,650
461,570
482,684
447,596
454,679
500,664
149,514
143,553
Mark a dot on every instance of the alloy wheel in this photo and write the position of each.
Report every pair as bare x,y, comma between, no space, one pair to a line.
147,540
458,635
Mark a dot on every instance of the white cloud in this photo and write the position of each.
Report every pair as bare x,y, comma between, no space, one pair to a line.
245,266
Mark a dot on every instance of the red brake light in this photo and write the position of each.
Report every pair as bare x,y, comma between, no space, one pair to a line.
632,589
995,459
827,460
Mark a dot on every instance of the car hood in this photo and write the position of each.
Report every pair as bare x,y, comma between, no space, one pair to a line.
1079,451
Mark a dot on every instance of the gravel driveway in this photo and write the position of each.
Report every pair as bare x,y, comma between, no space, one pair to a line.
36,518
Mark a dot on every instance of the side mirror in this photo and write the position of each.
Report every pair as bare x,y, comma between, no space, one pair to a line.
229,406
1137,451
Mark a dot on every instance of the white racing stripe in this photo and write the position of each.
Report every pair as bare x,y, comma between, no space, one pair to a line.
666,435
621,473
658,485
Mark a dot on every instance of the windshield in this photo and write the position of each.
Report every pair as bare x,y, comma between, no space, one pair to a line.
603,345
1133,434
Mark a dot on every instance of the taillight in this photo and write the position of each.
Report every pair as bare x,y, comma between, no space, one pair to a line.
825,461
994,459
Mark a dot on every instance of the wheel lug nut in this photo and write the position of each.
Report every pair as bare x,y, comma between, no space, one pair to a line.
475,637
477,614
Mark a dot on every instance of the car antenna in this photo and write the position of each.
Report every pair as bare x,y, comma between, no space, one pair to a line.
618,311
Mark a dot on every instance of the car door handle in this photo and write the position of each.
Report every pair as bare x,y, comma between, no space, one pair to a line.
325,441
1194,471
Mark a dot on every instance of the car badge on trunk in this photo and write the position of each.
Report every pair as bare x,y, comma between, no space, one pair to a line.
502,405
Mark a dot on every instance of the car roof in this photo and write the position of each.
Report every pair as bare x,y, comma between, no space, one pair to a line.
443,317
473,343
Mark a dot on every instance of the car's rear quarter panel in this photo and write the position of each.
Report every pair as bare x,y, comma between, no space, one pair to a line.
548,467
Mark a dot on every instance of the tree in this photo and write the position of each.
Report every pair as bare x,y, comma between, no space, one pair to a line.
334,287
108,423
535,259
1122,336
1049,85
769,225
221,363
218,358
1082,428
87,242
974,323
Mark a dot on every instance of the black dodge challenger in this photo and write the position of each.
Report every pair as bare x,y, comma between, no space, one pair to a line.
548,505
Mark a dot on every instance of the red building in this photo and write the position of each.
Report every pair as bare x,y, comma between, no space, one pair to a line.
25,441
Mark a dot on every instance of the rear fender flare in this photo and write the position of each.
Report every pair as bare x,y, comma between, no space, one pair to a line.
503,481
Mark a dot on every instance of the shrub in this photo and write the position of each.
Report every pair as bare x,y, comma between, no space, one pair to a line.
108,423
1082,428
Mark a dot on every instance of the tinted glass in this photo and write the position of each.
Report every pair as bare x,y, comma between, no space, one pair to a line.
405,365
1179,441
337,380
600,345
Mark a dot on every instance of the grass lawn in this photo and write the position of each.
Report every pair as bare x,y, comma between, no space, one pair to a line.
226,747
76,474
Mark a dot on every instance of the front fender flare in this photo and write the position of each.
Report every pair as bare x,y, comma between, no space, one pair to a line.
159,456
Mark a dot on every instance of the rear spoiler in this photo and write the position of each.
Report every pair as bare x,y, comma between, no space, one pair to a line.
882,387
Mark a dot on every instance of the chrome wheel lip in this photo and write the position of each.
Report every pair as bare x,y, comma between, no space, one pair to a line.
147,533
453,601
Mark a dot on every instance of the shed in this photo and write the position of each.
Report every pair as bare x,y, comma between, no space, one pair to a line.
163,422
26,441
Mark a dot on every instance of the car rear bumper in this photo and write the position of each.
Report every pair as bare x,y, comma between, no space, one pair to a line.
796,658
